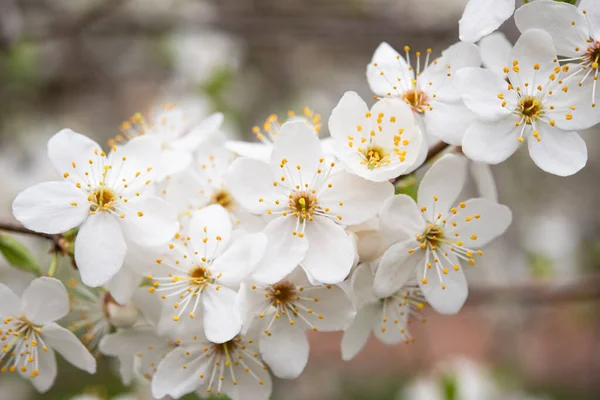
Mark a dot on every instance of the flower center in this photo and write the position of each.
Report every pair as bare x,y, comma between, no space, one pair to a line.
374,157
223,198
102,199
227,348
417,99
20,342
199,276
303,204
592,56
530,108
282,293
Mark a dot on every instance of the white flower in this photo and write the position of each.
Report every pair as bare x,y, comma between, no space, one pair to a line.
30,335
138,348
432,238
535,105
386,316
262,149
379,144
205,183
482,17
431,92
105,196
233,368
576,35
310,201
175,135
200,274
287,309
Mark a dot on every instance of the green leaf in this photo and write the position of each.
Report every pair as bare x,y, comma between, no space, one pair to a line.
408,186
18,255
573,2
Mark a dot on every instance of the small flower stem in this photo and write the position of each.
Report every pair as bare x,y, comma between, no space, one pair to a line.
53,265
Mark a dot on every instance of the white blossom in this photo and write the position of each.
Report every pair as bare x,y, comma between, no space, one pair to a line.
105,196
378,144
199,274
386,316
287,309
30,335
576,35
310,201
534,106
431,92
233,368
177,136
432,237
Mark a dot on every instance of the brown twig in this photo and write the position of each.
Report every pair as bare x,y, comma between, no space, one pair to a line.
15,227
539,293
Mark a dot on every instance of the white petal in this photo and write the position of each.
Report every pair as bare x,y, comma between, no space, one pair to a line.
248,387
356,336
250,302
221,322
47,367
51,207
330,251
200,133
349,113
536,56
484,180
442,184
10,304
255,150
149,221
480,89
360,199
396,267
592,11
401,218
240,259
70,153
134,164
386,329
251,183
565,23
334,306
450,300
394,67
284,251
148,303
285,350
491,142
495,52
448,121
361,283
45,300
482,17
211,223
575,109
123,285
99,249
174,380
487,221
67,344
558,152
297,142
172,162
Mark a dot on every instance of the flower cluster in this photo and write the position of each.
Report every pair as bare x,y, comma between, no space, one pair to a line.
201,263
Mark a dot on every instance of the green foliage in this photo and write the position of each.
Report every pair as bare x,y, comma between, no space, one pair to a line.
541,266
18,255
408,185
449,387
567,1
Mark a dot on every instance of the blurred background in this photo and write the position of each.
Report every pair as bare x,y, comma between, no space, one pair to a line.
531,328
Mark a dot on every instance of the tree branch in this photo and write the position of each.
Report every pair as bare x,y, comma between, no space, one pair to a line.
15,227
